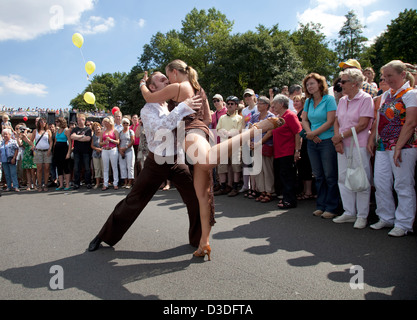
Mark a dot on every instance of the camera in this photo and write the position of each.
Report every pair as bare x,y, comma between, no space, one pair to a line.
23,129
337,87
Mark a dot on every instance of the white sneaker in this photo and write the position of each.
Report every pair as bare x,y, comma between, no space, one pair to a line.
397,232
344,218
380,225
360,223
243,189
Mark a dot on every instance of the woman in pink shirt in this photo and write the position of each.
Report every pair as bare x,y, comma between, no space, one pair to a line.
355,109
109,141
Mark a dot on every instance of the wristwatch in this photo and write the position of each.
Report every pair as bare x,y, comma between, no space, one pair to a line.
342,135
298,150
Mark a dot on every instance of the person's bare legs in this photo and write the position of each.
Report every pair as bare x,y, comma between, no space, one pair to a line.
205,158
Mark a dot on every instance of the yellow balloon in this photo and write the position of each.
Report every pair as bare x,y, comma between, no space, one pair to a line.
90,67
77,40
89,97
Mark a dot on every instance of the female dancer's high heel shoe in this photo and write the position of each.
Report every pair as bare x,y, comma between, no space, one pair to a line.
206,250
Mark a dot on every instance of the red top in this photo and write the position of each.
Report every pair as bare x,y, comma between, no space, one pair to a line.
284,136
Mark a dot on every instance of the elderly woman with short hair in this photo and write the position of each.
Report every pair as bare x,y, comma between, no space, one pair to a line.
264,181
396,152
8,154
287,150
355,109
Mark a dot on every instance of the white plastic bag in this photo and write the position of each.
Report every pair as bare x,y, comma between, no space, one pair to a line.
356,178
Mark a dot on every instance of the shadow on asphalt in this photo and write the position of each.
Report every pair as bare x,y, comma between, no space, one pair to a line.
99,273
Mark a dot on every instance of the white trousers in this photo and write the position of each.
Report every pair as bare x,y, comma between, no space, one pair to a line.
127,165
385,176
354,203
110,157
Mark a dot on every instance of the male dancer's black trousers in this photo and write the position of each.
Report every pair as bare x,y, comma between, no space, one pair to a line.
146,185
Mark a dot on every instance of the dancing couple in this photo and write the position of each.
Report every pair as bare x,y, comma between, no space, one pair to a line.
187,104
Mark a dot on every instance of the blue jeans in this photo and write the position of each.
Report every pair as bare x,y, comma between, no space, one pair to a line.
10,172
82,159
323,159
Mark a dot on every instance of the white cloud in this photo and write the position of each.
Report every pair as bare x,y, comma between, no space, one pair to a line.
15,84
96,25
331,14
141,23
27,19
376,16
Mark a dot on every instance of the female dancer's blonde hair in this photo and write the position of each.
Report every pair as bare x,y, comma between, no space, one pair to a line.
182,67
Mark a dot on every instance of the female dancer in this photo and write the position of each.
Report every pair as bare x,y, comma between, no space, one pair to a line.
184,84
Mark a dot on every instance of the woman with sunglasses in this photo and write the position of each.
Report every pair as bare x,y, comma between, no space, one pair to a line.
355,109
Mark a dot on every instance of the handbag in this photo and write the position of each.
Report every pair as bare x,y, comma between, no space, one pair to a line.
356,178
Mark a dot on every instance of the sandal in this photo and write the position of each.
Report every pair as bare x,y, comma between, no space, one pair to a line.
286,205
45,188
267,198
253,195
305,196
261,196
104,188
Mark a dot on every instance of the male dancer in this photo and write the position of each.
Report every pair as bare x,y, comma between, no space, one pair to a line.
155,116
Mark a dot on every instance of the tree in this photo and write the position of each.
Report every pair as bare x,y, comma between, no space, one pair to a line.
351,42
201,36
105,88
313,49
398,42
257,60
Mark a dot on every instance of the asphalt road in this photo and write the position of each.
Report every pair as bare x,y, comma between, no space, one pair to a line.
259,253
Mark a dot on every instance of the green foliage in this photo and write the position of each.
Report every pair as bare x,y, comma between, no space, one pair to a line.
106,88
399,42
267,57
257,60
313,49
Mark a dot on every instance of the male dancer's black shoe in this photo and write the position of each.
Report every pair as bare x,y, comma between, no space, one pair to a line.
95,244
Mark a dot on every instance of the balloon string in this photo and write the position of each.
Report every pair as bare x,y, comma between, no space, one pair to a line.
88,77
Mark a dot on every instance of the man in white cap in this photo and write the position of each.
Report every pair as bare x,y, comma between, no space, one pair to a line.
367,87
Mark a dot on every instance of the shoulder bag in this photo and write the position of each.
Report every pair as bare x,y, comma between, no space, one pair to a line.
356,178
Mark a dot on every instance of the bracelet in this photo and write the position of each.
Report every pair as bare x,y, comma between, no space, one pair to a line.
298,151
142,83
342,135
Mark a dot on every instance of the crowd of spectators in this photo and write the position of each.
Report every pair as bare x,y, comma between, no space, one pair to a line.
65,157
306,159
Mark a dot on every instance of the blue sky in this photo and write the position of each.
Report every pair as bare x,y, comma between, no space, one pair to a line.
40,66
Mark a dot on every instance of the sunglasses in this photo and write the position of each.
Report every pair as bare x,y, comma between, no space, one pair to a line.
216,100
231,103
